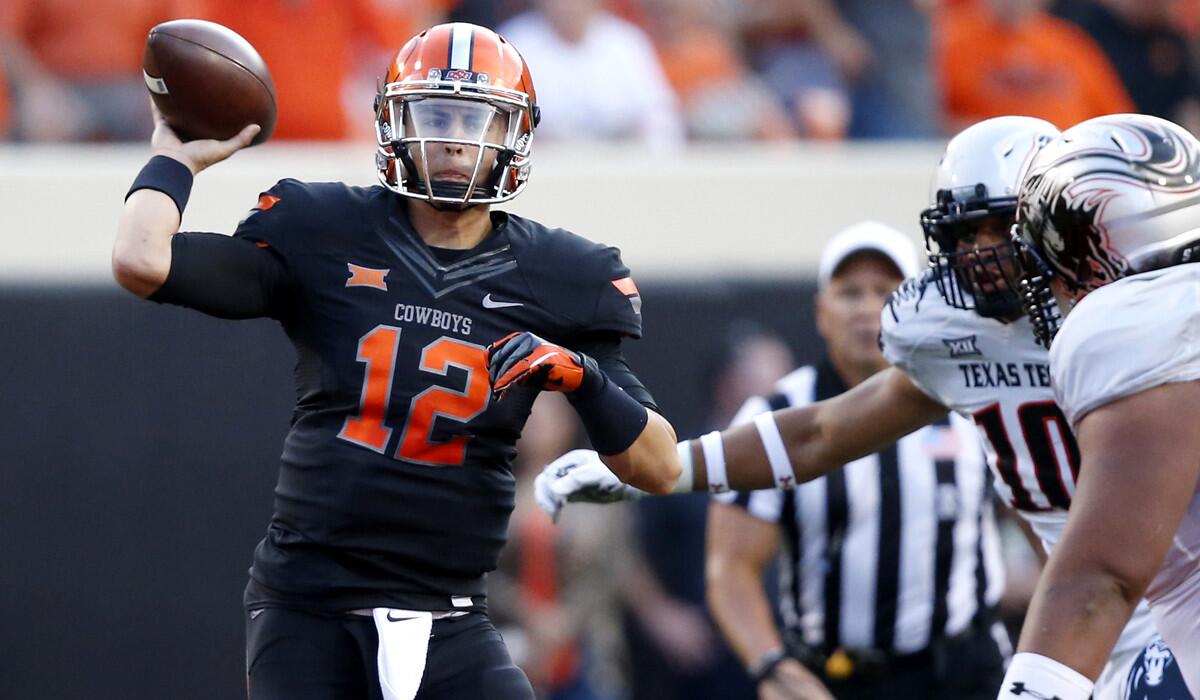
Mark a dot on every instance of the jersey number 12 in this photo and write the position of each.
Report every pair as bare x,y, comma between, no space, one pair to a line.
377,350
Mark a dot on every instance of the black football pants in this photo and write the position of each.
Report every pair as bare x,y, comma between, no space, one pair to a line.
292,655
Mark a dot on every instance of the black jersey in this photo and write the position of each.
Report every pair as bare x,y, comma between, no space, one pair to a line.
396,485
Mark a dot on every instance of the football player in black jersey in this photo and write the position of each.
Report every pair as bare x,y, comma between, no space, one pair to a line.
425,325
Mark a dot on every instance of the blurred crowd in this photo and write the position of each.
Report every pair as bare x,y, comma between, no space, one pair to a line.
659,72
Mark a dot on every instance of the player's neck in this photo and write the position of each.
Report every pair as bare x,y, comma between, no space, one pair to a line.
455,229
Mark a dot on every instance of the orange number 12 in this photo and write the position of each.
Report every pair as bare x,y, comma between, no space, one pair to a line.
377,350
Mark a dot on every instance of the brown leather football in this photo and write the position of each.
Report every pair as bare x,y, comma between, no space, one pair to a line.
208,81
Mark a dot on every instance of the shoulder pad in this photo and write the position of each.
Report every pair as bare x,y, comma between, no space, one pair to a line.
582,282
294,216
914,316
909,296
1106,350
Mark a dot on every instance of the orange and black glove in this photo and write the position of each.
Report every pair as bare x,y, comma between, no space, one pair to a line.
613,419
524,358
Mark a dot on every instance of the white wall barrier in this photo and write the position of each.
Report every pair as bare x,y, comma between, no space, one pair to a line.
728,211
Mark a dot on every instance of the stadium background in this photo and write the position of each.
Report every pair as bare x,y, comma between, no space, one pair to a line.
141,442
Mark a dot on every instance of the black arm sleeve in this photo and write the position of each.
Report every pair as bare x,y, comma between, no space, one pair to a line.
224,277
605,348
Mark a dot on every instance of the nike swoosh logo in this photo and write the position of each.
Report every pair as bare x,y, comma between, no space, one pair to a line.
490,303
398,619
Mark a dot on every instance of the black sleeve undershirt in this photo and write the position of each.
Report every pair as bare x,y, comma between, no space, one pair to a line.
605,348
225,277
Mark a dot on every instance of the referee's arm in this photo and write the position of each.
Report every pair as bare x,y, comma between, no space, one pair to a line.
740,546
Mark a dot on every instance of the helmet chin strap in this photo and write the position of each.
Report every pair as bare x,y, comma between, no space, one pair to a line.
445,189
451,189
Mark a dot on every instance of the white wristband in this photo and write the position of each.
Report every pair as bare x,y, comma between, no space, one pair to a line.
687,478
714,462
777,454
1036,676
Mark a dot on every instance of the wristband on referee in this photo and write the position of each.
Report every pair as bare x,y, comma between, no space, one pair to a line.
765,665
1036,676
167,175
612,419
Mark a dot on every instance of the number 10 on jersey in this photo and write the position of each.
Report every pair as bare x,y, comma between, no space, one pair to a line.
377,350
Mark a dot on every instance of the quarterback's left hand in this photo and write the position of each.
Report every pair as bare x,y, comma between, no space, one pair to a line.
524,358
579,476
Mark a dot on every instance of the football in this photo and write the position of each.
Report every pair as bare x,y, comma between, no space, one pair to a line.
208,81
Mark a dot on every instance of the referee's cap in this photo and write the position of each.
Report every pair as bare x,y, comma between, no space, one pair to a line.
867,236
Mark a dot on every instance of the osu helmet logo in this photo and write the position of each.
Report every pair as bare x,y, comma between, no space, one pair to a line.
464,76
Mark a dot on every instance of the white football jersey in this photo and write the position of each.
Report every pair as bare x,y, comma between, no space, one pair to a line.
997,375
1125,338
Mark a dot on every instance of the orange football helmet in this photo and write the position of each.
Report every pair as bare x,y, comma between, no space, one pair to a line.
454,118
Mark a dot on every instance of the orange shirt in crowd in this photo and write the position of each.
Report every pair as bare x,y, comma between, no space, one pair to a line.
697,60
4,104
1045,67
313,46
92,39
1187,18
539,589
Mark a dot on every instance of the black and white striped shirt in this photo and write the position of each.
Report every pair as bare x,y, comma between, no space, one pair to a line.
891,551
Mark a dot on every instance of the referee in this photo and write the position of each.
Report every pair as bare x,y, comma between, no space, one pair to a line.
890,570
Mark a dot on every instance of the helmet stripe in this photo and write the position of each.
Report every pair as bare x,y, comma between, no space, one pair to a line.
471,49
461,40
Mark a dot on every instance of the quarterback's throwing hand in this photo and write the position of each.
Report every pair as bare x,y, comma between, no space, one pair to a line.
579,475
525,358
196,155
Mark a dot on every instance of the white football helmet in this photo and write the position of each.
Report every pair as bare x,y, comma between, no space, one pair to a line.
1111,197
976,184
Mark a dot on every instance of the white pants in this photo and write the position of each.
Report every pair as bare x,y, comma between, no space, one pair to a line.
1111,683
1139,632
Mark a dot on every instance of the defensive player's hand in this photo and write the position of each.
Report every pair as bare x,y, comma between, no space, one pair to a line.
201,153
791,681
524,358
579,476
